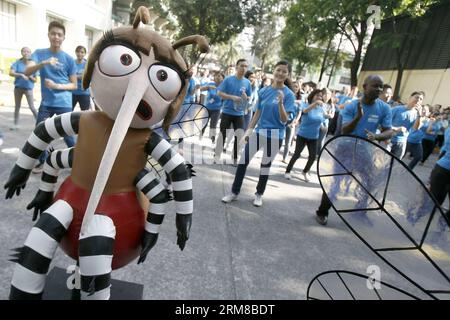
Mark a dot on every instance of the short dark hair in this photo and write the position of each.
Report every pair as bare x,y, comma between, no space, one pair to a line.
312,94
56,24
80,48
386,86
418,92
239,61
248,73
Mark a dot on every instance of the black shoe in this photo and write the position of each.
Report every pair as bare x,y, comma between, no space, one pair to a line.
321,219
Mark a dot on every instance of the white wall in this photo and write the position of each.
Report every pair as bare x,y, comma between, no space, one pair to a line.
31,23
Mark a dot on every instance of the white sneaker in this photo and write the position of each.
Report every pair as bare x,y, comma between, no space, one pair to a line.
306,176
229,197
287,176
258,200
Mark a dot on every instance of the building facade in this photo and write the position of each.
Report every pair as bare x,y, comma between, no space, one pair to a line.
426,57
24,23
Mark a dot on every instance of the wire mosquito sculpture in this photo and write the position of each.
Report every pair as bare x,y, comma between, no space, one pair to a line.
392,212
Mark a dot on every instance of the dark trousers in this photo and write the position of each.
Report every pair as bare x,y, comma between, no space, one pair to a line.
83,100
299,146
256,142
417,153
214,116
428,146
440,183
226,121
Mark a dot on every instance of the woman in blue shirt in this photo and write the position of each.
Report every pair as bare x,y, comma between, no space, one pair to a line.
308,132
275,102
429,138
213,104
23,85
80,96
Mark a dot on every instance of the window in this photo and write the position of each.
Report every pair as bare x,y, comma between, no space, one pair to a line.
89,38
52,18
7,22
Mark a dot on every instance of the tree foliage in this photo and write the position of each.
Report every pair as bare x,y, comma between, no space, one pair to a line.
218,20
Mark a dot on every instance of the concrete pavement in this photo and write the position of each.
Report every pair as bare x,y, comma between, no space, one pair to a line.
236,251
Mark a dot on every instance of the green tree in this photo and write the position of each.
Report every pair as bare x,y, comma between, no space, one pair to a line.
267,26
298,40
218,20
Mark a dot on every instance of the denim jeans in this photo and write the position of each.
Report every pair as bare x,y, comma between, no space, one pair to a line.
256,142
47,112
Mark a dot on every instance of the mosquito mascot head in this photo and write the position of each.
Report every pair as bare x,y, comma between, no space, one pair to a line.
138,79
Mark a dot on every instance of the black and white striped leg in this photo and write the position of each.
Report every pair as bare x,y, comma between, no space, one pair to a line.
95,258
44,133
34,258
180,174
154,190
59,159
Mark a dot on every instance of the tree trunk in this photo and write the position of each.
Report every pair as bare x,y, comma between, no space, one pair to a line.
357,60
325,58
263,61
398,81
335,60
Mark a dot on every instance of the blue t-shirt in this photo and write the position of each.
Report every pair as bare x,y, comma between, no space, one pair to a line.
444,162
213,101
190,93
377,114
416,136
80,69
310,124
19,67
435,127
403,117
233,86
59,73
270,115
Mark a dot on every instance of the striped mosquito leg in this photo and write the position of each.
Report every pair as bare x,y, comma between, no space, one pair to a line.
34,258
44,133
95,257
58,159
173,164
148,183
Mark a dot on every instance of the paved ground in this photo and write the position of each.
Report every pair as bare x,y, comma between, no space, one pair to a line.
236,251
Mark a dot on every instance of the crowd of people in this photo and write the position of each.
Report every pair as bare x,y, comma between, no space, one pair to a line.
261,113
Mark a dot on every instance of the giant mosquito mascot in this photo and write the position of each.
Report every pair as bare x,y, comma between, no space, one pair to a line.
138,79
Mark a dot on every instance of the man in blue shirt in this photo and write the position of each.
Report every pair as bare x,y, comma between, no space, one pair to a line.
235,91
58,78
403,118
361,118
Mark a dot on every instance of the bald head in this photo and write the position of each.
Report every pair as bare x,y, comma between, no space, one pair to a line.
373,77
373,86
